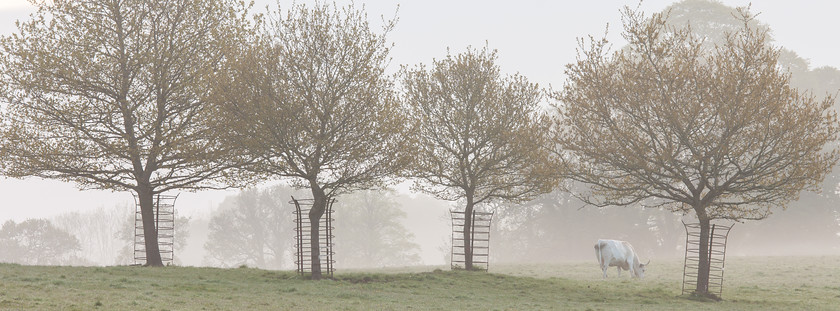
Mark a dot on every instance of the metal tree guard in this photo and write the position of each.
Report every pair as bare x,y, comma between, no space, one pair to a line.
479,239
164,211
303,259
718,235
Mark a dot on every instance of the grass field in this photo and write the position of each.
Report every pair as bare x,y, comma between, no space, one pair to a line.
751,283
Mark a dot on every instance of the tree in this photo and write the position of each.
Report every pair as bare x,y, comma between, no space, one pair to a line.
711,20
252,228
112,95
37,242
665,123
370,233
320,109
96,231
481,136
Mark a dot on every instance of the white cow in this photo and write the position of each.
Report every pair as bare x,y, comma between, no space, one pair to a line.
614,253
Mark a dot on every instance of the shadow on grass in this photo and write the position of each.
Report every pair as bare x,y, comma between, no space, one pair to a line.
702,297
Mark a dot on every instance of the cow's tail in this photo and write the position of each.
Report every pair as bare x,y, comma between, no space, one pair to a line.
598,246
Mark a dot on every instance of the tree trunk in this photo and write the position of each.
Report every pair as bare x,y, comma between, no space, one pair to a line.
468,242
319,206
259,244
703,268
150,232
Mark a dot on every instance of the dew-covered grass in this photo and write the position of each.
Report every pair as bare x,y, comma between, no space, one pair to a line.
751,283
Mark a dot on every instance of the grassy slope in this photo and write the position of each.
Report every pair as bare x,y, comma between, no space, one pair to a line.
769,283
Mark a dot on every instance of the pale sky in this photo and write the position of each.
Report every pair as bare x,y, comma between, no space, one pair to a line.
534,38
14,4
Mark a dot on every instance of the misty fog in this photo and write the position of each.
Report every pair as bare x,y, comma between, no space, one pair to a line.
553,228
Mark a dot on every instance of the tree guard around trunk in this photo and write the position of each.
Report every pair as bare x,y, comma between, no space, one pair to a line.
164,209
479,240
718,235
303,252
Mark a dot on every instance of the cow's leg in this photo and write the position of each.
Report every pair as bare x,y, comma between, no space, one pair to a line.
604,268
619,271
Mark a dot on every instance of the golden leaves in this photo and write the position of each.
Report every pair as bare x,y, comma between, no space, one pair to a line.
311,100
110,94
667,119
481,135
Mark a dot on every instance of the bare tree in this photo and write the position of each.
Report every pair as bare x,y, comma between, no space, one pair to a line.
666,123
319,108
111,95
481,136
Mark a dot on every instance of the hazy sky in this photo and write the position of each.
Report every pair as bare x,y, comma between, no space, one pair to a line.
534,38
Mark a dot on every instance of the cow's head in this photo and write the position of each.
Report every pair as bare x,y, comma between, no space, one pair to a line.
640,272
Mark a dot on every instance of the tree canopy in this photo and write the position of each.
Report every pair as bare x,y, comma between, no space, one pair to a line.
112,95
712,20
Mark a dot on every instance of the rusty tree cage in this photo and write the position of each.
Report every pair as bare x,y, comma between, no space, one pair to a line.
303,259
479,239
164,211
718,235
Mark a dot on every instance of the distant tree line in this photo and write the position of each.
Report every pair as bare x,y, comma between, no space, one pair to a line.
38,242
255,229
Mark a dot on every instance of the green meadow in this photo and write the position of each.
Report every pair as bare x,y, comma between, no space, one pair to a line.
751,283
